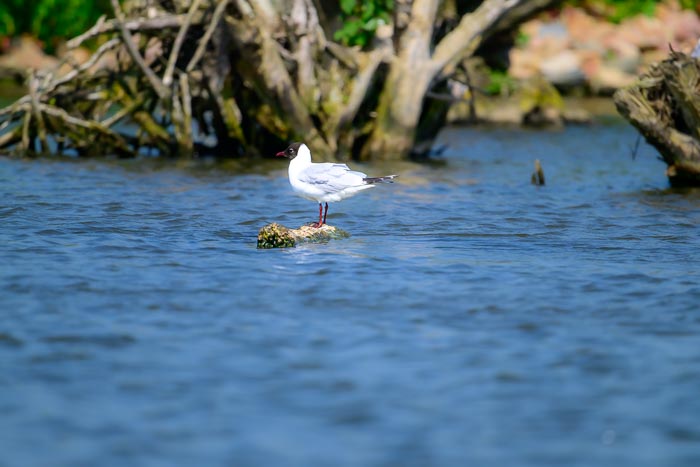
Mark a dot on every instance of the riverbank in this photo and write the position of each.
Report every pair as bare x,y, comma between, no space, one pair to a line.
581,53
568,53
578,50
561,59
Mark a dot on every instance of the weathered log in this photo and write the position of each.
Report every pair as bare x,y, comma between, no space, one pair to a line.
278,236
664,106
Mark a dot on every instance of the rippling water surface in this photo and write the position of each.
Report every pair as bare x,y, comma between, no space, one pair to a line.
471,319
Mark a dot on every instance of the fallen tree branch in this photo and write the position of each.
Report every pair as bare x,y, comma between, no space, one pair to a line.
71,75
36,112
468,35
158,86
664,107
123,112
119,142
361,85
141,25
175,51
11,137
202,46
25,131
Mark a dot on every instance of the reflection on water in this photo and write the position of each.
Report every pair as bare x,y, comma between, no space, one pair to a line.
471,318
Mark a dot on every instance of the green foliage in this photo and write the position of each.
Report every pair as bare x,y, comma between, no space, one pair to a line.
499,83
361,20
625,9
49,19
522,39
617,10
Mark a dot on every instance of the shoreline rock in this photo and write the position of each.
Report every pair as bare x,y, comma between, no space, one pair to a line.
576,48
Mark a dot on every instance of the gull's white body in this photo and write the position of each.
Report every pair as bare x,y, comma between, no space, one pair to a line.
324,182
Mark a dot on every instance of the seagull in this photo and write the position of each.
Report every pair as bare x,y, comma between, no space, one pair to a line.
325,182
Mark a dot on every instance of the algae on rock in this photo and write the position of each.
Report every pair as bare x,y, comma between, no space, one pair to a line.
278,236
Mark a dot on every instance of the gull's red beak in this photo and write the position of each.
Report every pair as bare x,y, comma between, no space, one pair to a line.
280,154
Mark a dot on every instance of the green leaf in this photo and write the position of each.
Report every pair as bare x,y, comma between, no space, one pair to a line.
368,10
361,20
347,6
371,25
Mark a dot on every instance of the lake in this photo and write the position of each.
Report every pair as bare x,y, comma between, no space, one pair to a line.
471,318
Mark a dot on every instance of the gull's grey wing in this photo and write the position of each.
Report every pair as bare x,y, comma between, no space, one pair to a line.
332,176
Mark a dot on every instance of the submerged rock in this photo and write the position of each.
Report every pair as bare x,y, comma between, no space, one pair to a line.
278,236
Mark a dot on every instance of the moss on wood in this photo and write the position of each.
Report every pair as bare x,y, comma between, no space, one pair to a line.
278,236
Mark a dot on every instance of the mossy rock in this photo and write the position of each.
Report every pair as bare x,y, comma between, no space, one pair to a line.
278,236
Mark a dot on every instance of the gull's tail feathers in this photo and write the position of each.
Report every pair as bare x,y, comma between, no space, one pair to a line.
373,180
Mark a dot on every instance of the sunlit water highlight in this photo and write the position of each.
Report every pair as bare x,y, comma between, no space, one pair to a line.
471,319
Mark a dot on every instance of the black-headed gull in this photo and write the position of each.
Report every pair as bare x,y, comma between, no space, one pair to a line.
325,182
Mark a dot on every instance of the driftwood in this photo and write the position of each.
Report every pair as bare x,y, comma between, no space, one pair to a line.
537,177
244,77
278,236
664,105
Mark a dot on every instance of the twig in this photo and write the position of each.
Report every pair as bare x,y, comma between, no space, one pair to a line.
158,86
5,124
145,119
90,125
344,55
25,130
150,24
16,107
65,116
110,44
10,137
186,105
92,32
182,117
41,127
178,122
179,39
472,95
213,23
439,96
123,112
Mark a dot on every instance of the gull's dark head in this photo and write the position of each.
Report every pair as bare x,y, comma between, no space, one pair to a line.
291,151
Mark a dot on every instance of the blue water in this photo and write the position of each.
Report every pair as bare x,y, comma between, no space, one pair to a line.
471,319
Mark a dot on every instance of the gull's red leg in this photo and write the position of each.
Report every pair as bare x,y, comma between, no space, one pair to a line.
325,214
320,215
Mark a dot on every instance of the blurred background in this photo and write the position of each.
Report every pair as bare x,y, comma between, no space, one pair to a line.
589,47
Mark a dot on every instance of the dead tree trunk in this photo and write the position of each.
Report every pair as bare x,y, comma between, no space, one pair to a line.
244,77
664,105
415,69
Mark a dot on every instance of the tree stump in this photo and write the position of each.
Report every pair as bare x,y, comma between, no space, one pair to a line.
537,177
278,236
664,105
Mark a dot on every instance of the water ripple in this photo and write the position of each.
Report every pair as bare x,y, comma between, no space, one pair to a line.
468,311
